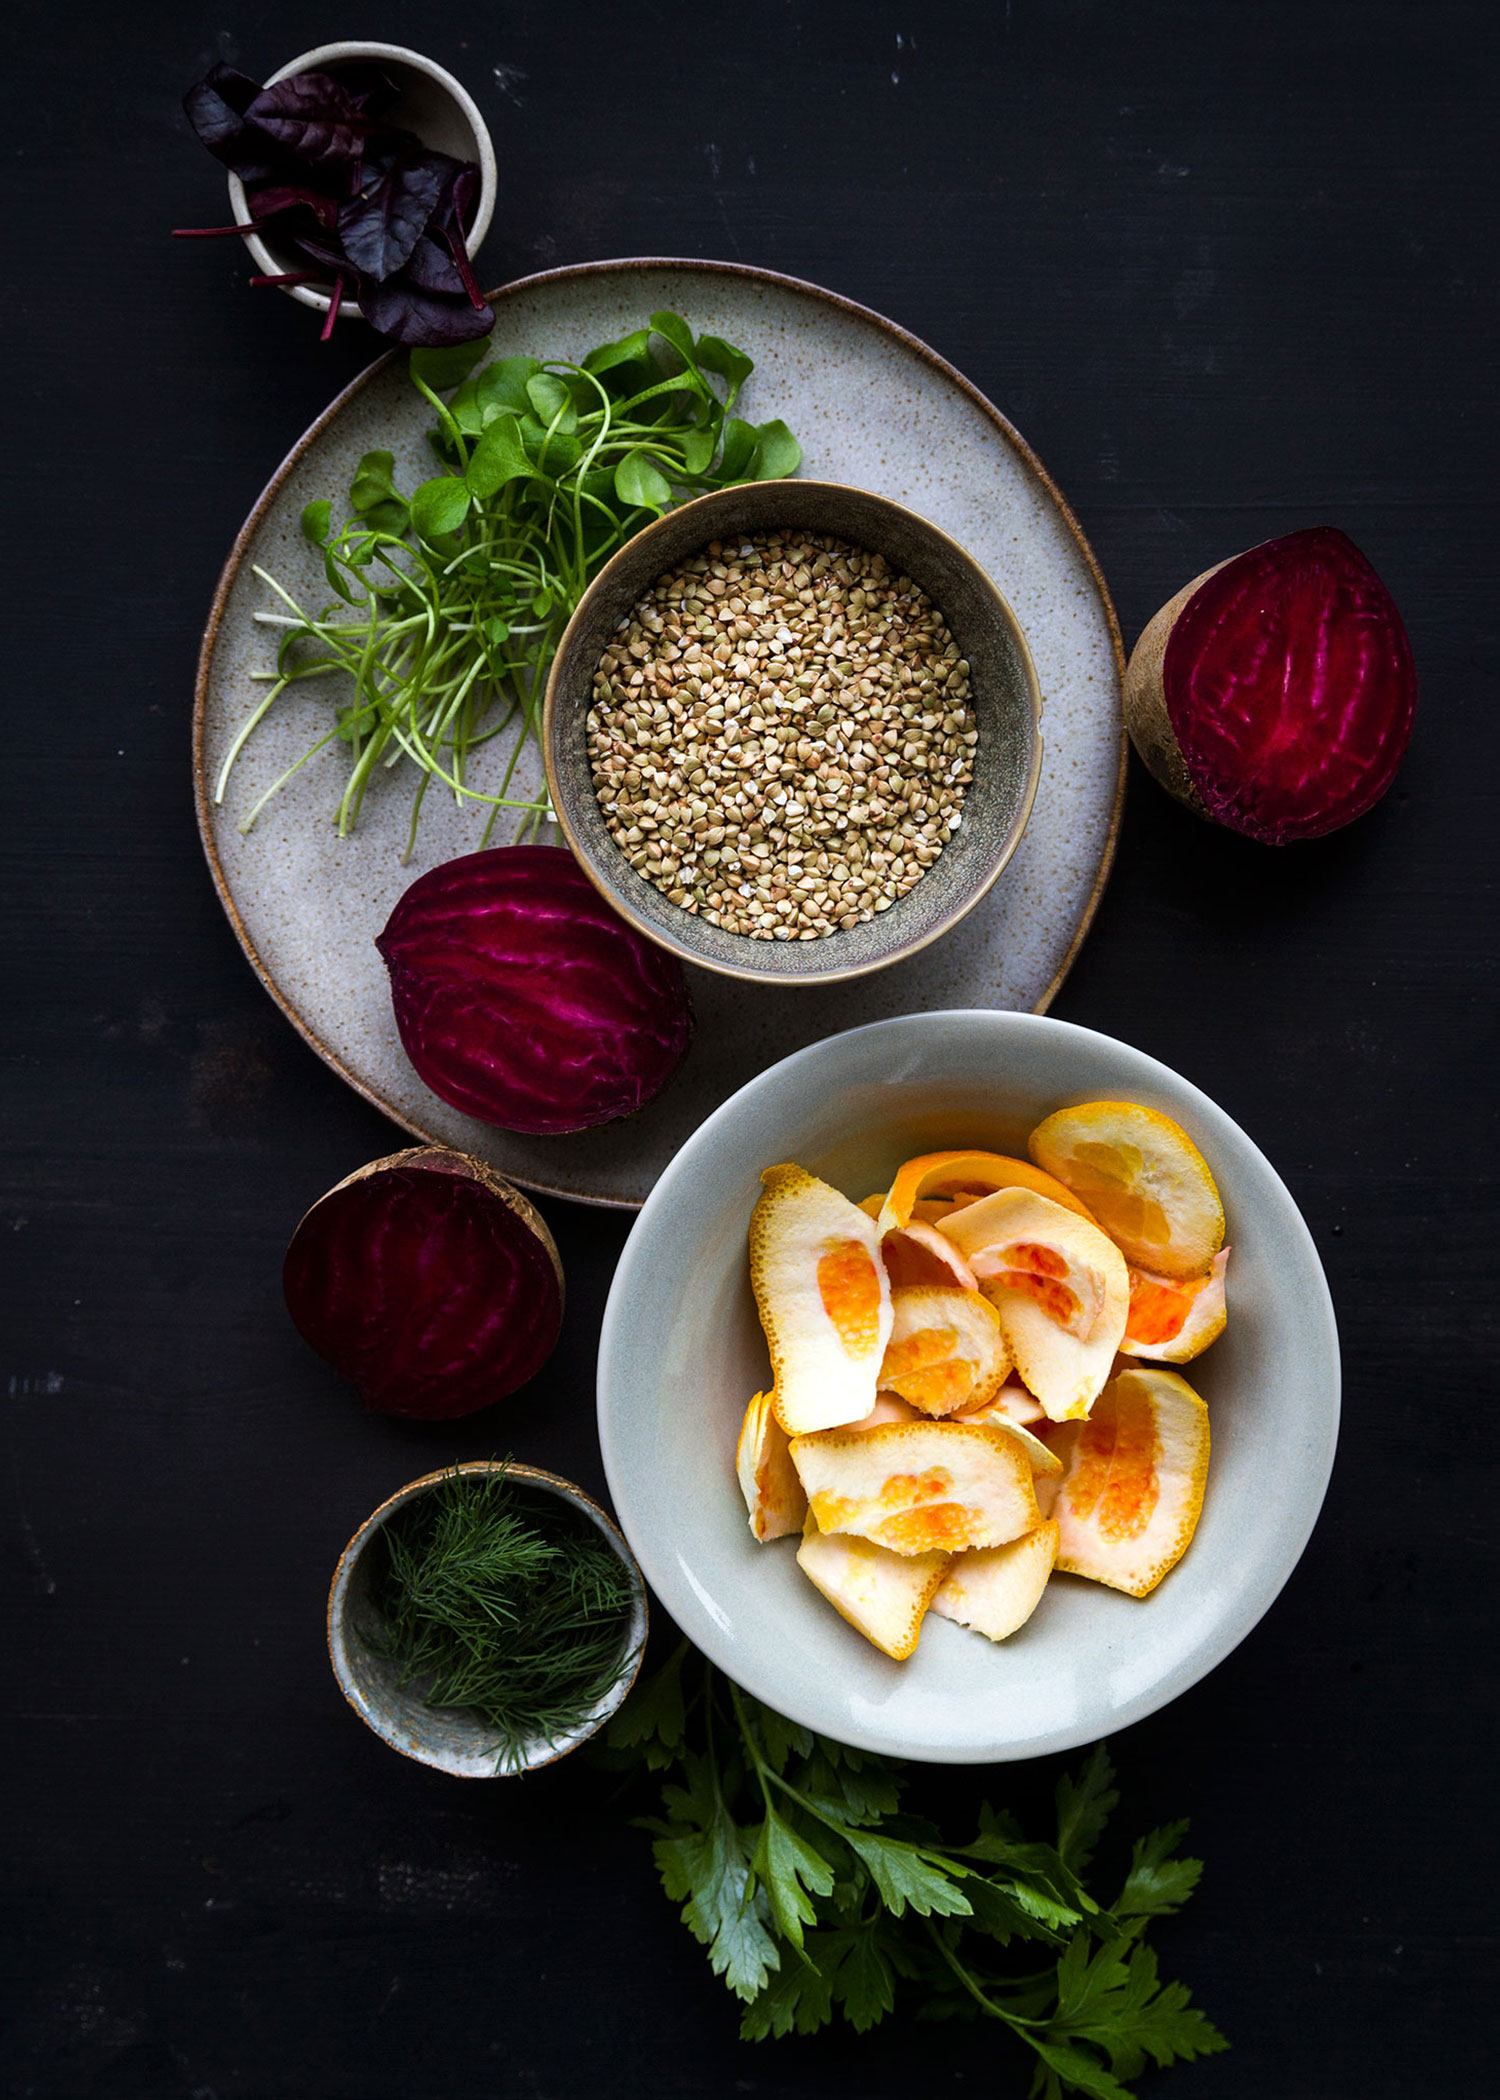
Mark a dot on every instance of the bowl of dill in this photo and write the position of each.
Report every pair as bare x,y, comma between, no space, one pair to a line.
486,1619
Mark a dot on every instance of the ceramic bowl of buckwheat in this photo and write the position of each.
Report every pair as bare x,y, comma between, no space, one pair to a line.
792,732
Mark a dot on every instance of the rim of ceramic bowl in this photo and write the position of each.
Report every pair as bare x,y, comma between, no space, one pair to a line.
519,288
340,1634
347,53
677,1586
630,557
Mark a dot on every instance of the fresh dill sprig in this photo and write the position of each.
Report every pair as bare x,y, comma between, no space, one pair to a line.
504,1601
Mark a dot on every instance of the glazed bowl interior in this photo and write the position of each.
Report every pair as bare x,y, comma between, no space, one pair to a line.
452,1740
682,1352
1005,699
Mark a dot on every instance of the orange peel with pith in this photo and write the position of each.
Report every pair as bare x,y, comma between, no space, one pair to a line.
1172,1321
996,1591
1143,1178
965,1174
823,1299
947,1349
1059,1285
918,1487
768,1480
1132,1482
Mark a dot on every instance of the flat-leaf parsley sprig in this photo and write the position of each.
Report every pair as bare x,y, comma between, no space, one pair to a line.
817,1897
449,603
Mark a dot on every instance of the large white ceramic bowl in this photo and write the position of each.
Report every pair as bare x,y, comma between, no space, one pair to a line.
682,1352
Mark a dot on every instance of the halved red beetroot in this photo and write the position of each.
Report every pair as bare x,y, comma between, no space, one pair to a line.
525,1000
427,1280
1275,693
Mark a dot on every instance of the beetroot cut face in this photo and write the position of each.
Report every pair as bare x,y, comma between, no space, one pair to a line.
428,1282
524,1000
1289,684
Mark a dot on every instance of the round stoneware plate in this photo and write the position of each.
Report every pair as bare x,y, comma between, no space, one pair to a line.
872,407
682,1352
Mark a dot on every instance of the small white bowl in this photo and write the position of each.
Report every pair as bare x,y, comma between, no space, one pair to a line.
682,1352
430,103
450,1740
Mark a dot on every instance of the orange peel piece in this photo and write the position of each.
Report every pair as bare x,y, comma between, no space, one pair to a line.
946,1350
889,1407
996,1591
966,1174
918,1253
883,1595
1143,1178
1042,1459
1172,1322
1132,1482
1021,1406
1061,1289
918,1487
823,1300
768,1480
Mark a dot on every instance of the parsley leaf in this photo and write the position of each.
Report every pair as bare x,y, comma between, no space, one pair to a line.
819,1899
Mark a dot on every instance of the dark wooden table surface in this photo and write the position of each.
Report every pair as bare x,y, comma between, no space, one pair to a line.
1231,268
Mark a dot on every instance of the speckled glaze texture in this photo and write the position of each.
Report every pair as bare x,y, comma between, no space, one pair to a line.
682,1352
449,1740
872,408
1005,700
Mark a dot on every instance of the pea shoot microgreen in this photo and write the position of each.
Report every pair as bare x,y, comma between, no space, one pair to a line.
818,1897
449,602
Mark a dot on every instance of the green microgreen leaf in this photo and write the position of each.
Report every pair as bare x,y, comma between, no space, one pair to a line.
444,368
499,457
551,401
373,482
674,330
641,484
777,453
446,603
317,521
739,449
715,355
439,506
502,386
631,349
697,448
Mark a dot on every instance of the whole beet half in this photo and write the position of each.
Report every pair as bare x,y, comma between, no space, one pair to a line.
428,1281
523,999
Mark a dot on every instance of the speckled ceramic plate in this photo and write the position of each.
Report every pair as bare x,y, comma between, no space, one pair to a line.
873,407
681,1352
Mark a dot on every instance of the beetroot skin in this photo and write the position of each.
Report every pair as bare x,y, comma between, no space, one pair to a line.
524,1000
428,1282
1288,688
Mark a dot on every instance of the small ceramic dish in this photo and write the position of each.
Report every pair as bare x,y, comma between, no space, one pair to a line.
450,1740
1005,697
682,1352
430,103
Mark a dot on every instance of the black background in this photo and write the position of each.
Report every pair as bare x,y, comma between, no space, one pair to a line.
1230,267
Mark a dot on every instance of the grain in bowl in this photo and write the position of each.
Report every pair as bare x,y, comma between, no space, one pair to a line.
781,735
